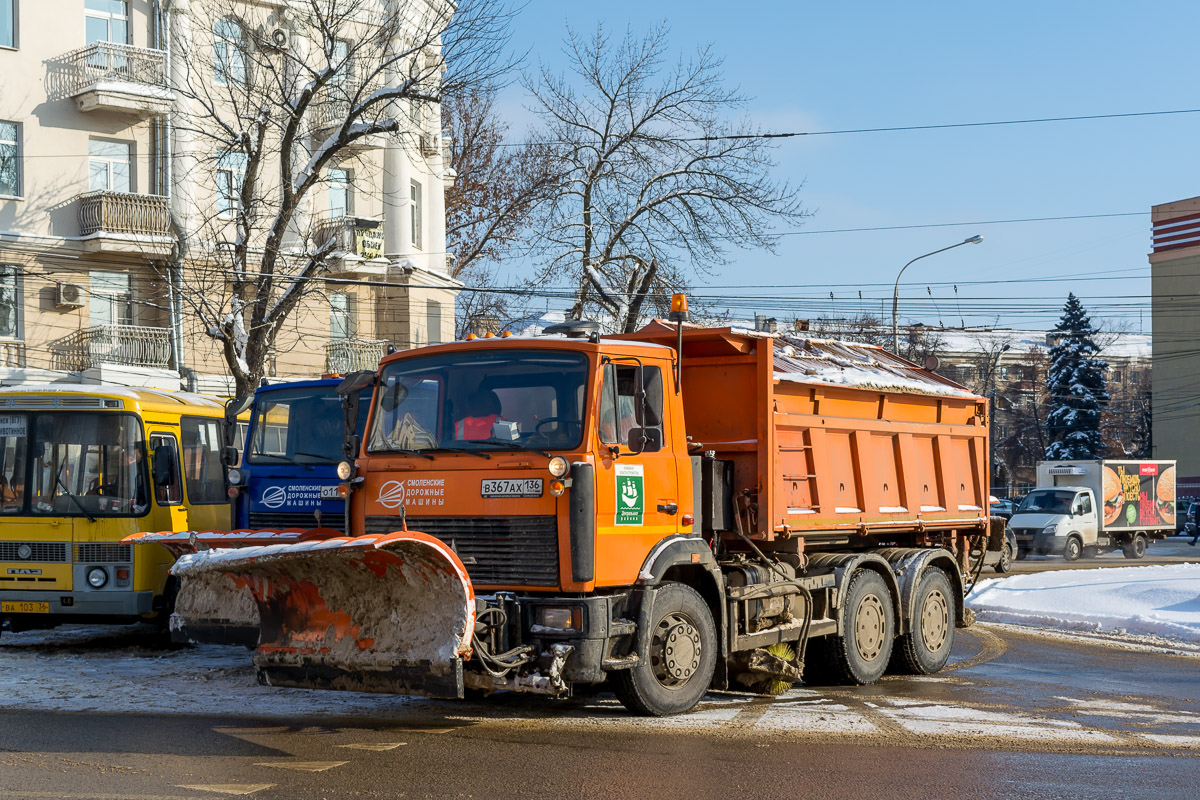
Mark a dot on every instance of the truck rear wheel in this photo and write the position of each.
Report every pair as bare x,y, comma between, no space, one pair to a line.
862,653
1135,548
680,658
926,647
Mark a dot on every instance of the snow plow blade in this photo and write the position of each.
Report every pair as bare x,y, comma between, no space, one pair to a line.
392,613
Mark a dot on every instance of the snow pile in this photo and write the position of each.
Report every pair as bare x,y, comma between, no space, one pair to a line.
1141,601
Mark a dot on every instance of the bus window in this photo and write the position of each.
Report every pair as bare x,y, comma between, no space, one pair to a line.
89,464
171,494
14,437
202,468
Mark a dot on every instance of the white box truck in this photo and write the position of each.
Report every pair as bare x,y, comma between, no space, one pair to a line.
1082,508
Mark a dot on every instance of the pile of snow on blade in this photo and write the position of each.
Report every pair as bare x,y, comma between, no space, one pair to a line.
1148,601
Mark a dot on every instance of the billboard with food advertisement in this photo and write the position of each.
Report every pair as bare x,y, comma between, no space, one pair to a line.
1138,494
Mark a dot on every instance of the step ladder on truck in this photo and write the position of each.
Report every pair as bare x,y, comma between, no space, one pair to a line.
671,510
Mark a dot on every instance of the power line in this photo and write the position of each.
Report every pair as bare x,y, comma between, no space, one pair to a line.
960,224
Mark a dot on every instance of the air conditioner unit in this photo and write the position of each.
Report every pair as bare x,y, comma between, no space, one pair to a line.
69,295
429,144
279,39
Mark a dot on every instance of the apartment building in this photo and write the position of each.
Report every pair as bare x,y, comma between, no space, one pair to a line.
98,184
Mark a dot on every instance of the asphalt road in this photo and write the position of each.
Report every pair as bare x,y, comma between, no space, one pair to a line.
1171,550
1015,715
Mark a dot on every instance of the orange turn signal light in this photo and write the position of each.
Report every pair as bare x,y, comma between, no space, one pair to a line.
557,487
505,334
489,335
471,336
343,490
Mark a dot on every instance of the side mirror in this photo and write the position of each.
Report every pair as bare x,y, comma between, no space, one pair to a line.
230,457
355,382
393,396
645,440
235,407
164,465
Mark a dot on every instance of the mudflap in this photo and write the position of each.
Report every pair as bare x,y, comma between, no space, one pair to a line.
392,613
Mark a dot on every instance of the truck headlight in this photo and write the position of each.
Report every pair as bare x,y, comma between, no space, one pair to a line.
235,476
1050,530
344,470
558,617
97,577
558,466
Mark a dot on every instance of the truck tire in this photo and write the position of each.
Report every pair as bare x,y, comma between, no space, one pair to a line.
1135,548
862,653
926,646
1073,549
681,656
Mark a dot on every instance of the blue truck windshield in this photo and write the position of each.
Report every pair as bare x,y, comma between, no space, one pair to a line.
518,399
297,426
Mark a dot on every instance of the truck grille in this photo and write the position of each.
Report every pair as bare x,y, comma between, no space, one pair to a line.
104,553
497,551
274,520
45,552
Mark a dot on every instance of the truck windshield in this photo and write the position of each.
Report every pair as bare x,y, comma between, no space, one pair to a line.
1047,501
299,426
515,399
70,465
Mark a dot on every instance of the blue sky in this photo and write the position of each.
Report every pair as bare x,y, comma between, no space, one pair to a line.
823,66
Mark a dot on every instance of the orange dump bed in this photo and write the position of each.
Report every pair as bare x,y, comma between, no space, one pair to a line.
831,438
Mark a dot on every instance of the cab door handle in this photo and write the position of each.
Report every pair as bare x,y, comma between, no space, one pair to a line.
667,508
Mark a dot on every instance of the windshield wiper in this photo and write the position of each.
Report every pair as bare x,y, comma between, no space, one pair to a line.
78,503
324,458
511,445
405,452
462,450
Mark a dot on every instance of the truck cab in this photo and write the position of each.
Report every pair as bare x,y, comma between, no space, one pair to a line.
1061,519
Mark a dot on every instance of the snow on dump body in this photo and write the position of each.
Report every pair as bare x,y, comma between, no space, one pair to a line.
823,361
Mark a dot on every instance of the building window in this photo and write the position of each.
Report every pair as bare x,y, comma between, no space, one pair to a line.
415,211
343,66
433,321
109,166
107,21
229,58
1004,373
8,23
110,302
231,171
341,315
10,303
341,200
10,159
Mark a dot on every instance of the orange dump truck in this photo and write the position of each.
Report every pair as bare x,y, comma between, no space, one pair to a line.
673,510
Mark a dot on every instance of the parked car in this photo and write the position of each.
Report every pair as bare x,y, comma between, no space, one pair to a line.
1181,509
1002,508
1192,519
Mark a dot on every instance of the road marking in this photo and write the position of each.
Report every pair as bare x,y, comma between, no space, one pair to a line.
231,788
378,747
304,766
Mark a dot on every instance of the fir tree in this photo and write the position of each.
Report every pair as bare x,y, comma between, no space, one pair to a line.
1078,391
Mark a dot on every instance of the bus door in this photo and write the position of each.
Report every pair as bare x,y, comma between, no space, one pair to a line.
170,514
201,446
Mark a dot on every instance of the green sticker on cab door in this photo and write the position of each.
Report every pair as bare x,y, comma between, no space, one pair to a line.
631,494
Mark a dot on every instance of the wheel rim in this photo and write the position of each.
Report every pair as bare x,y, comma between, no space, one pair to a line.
1072,550
870,626
935,621
676,650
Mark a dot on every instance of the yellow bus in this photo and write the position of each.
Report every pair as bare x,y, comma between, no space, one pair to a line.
82,467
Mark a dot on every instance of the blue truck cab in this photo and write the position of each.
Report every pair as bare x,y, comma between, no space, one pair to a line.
288,472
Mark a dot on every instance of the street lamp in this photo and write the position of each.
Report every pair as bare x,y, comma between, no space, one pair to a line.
896,290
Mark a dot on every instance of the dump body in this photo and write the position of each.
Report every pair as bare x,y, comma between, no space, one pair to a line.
288,476
613,522
1080,507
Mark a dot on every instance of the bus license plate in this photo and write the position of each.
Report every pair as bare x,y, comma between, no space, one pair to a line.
24,607
512,487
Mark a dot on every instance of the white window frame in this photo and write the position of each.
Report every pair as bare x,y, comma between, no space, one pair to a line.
18,157
230,174
108,17
342,308
433,321
229,58
109,162
341,179
120,300
14,14
11,274
415,213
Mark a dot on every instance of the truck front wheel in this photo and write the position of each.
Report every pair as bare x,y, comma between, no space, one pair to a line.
680,657
1135,548
1073,549
861,654
926,647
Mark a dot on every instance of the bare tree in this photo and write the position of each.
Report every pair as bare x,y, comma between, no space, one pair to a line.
270,99
655,182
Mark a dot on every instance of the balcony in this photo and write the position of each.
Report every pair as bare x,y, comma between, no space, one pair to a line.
348,355
12,354
120,222
119,345
107,76
357,244
327,116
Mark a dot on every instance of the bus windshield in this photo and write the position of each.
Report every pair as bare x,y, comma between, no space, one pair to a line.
76,464
515,399
300,426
